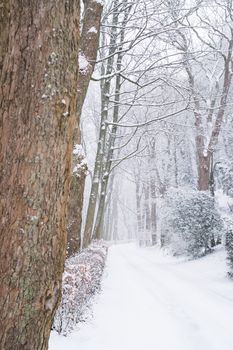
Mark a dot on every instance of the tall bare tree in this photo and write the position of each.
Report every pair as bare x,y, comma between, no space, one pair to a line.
89,43
204,38
105,94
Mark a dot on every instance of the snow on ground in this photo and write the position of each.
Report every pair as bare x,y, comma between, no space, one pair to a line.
155,302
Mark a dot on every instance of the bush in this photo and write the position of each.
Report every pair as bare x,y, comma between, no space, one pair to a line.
81,281
189,221
229,244
224,177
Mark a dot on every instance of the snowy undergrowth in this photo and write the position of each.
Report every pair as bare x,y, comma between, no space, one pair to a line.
81,281
190,222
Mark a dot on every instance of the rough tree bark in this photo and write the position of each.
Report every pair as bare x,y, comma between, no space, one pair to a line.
76,201
38,98
89,43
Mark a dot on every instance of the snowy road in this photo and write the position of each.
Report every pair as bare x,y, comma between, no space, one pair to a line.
153,302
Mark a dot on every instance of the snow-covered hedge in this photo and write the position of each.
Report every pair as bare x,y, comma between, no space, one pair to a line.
228,220
224,177
189,220
229,249
81,281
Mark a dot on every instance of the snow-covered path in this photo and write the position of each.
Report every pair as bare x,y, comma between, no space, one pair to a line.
153,302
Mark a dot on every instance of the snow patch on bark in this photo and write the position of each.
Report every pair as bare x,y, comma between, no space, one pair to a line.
92,30
78,150
83,63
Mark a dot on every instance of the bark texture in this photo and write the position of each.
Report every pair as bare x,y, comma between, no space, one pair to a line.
76,205
38,99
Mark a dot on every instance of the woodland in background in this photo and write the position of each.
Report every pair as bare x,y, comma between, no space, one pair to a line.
159,110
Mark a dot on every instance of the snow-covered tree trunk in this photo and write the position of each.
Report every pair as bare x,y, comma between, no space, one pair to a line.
110,144
229,249
115,231
76,201
95,182
89,43
107,160
105,93
38,99
152,176
139,209
109,212
203,166
147,214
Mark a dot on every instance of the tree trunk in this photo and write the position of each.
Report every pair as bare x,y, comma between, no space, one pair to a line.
76,201
151,166
203,151
203,172
97,170
98,234
89,43
139,211
115,233
147,214
109,215
105,93
38,98
153,211
109,147
176,184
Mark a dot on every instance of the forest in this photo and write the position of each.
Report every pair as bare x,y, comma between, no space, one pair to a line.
116,174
